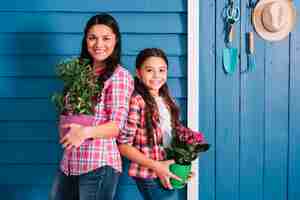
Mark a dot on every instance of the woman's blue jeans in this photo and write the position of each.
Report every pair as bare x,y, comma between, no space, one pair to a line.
99,184
151,189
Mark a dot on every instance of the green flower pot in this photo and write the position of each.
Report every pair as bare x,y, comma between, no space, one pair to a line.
182,171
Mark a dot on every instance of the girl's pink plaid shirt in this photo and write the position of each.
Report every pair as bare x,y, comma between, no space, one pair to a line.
134,134
113,106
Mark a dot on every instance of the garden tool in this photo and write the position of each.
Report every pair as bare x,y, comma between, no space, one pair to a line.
250,40
250,53
230,54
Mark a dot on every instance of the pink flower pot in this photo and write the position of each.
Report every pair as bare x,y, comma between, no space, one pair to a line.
84,120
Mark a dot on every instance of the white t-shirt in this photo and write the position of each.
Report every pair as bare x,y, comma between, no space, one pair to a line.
165,121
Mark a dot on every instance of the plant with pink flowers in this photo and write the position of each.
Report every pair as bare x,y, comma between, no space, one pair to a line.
186,145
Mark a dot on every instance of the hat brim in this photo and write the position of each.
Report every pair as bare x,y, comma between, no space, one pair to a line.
266,34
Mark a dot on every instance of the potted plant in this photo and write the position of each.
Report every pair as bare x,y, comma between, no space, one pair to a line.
185,147
76,102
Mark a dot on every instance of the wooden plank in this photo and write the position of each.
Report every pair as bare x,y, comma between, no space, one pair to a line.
227,117
27,110
44,87
25,192
28,131
33,66
95,6
294,110
29,87
28,65
64,22
19,152
27,175
69,44
252,118
207,97
40,110
276,120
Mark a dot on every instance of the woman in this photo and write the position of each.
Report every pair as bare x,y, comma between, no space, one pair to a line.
91,163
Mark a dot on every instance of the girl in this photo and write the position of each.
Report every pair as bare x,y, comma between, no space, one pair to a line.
91,162
152,115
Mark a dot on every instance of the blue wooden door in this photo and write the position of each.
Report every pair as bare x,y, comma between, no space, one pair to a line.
251,118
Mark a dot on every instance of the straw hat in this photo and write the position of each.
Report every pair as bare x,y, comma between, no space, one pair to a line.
273,20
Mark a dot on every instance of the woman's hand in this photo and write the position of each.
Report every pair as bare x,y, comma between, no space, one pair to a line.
161,169
74,137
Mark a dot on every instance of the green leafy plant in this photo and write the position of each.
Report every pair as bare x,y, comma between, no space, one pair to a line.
186,145
81,87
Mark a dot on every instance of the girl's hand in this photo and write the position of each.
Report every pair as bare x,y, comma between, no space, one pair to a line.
74,137
161,169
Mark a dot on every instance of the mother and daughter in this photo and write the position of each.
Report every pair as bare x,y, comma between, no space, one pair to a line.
132,118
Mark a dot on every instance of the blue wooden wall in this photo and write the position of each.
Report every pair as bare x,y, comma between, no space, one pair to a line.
34,36
251,118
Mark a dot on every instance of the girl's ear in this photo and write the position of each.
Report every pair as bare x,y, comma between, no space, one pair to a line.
137,72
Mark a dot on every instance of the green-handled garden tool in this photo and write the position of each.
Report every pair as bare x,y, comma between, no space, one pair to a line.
230,54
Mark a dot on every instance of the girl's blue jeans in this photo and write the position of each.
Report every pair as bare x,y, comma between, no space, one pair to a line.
99,184
151,189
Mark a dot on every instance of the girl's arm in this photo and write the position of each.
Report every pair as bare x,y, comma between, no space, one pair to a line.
161,168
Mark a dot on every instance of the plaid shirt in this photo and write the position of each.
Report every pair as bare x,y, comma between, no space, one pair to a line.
134,134
113,106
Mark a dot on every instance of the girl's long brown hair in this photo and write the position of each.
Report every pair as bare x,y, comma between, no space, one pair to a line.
151,106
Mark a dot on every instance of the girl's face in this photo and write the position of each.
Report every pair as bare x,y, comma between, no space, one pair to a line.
101,42
153,73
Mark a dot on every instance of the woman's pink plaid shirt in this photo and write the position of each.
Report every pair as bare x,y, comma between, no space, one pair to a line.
113,106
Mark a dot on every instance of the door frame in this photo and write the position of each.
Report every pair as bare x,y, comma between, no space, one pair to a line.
193,84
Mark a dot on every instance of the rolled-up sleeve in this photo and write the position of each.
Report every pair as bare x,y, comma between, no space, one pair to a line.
119,94
127,134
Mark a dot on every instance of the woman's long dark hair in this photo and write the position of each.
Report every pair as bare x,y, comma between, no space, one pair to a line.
114,59
151,106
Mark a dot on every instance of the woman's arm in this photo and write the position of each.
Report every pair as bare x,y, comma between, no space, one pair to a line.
116,102
78,134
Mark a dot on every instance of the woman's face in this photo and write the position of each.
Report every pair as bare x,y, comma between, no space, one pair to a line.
101,42
153,73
